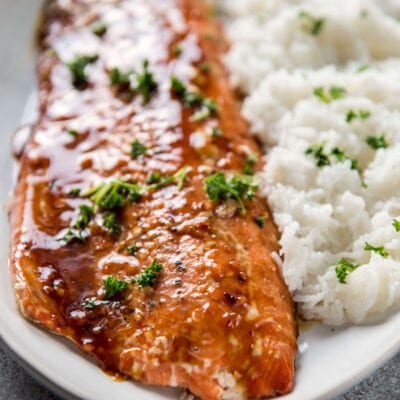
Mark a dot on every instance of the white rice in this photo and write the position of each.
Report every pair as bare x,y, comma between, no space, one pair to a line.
326,213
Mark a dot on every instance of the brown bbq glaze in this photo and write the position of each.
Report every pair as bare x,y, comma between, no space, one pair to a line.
219,319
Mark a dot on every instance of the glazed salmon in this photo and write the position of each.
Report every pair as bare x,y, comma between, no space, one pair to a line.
137,229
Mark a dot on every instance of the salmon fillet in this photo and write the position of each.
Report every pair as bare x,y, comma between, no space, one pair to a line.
137,231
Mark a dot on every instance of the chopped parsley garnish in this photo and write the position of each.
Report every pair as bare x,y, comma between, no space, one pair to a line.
153,177
176,51
334,93
181,177
205,67
113,286
74,192
361,114
251,160
207,107
216,132
378,249
343,268
260,221
110,223
84,216
146,83
90,304
114,194
132,250
322,157
396,225
239,187
341,156
363,68
317,151
137,149
248,170
119,78
72,235
77,68
149,275
311,24
377,142
72,132
99,28
157,180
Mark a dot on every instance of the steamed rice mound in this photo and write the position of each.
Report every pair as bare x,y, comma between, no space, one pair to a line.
328,212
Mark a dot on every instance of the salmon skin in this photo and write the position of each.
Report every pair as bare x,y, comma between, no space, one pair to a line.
137,230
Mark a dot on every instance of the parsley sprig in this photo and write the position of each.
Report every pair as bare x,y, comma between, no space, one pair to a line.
239,187
77,68
322,157
149,274
145,83
377,249
328,95
377,142
114,194
114,286
360,114
207,107
311,24
344,268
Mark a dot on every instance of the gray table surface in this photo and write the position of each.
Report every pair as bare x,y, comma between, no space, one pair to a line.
16,83
16,384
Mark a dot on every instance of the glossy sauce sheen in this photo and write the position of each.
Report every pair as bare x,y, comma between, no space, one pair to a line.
219,319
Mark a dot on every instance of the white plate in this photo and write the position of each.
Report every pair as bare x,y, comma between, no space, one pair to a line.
328,364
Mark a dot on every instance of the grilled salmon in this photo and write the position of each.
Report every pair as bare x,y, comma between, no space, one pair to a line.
137,230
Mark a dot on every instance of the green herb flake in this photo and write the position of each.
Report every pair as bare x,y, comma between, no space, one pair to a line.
205,67
77,68
239,187
154,177
208,107
146,83
84,216
311,24
114,194
334,93
73,132
344,268
132,250
110,223
248,170
363,68
396,225
318,152
181,177
377,142
114,286
360,114
74,192
176,50
99,28
260,221
340,155
379,249
72,235
138,149
117,77
216,132
149,274
337,92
